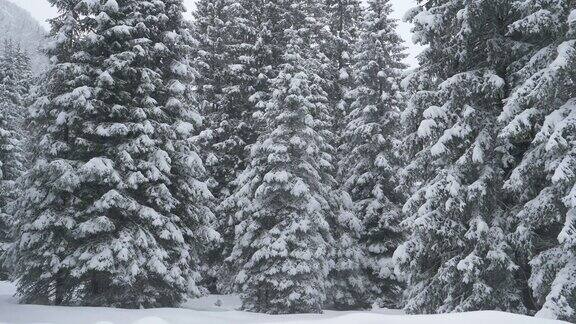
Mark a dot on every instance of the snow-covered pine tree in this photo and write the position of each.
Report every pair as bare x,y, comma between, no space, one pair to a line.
15,80
282,200
225,33
329,53
210,63
42,233
115,209
224,80
347,284
343,20
269,20
369,161
457,257
540,125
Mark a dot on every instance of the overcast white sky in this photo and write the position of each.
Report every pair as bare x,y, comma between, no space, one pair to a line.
42,10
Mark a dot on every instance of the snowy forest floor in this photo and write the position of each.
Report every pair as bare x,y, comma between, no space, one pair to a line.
204,311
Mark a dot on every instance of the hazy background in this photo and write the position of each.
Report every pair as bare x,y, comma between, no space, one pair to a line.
42,11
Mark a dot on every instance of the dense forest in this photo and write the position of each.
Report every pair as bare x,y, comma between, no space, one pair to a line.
17,25
282,150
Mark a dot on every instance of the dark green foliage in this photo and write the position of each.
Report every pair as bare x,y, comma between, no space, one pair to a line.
15,82
115,210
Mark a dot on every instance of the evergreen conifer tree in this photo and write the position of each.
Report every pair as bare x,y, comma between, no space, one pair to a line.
42,237
369,160
15,80
283,201
458,257
267,44
343,20
540,127
224,79
115,209
333,29
225,32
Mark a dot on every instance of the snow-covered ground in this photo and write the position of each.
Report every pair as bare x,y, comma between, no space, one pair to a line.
205,311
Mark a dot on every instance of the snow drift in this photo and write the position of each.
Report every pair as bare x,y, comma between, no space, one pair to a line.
204,311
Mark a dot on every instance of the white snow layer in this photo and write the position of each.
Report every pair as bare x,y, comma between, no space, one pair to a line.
206,311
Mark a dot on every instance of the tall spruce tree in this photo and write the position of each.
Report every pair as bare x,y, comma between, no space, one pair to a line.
239,50
369,160
458,257
228,66
225,81
343,19
335,28
268,21
540,127
283,201
15,81
42,237
115,208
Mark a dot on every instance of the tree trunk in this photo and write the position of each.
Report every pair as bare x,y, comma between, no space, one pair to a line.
60,289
